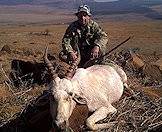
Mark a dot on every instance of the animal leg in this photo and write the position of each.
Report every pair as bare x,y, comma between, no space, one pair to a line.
98,115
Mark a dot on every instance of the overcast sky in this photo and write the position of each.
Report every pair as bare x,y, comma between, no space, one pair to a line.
105,0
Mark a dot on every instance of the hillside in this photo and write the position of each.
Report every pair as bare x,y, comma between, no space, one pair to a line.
51,3
22,75
22,12
126,5
143,7
144,2
32,24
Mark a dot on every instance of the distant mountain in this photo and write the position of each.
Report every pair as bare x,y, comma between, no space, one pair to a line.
138,6
98,8
62,4
54,3
15,2
143,2
127,6
71,4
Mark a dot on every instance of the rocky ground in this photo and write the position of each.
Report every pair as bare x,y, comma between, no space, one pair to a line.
23,76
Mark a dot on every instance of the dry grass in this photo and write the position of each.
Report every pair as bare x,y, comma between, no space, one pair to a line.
136,113
28,42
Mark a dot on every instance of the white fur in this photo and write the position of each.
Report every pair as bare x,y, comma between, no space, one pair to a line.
99,85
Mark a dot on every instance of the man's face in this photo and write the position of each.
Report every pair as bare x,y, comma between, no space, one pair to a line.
83,18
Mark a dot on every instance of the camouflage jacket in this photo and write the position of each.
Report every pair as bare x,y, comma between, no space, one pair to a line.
77,36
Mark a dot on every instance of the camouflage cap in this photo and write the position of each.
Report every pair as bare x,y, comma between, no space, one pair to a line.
84,8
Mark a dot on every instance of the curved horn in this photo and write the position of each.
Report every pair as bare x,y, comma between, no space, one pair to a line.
79,56
71,71
49,64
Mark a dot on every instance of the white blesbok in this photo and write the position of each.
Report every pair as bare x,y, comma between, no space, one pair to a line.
99,86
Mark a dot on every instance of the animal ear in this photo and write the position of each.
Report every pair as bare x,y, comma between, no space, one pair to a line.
79,100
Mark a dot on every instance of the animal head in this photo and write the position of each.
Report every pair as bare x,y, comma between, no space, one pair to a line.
62,92
65,106
66,101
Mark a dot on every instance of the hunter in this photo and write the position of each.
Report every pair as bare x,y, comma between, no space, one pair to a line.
83,38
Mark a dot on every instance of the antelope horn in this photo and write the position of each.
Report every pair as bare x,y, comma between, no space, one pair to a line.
79,56
49,64
71,71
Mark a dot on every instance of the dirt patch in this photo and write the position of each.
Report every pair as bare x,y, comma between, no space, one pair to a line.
27,44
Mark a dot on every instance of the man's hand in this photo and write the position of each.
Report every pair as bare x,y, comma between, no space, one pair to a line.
95,52
73,56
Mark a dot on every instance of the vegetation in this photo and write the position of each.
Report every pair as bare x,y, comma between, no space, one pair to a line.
26,43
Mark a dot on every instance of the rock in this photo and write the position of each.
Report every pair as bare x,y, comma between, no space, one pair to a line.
6,48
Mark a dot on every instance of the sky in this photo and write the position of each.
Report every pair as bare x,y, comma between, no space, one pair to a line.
105,0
